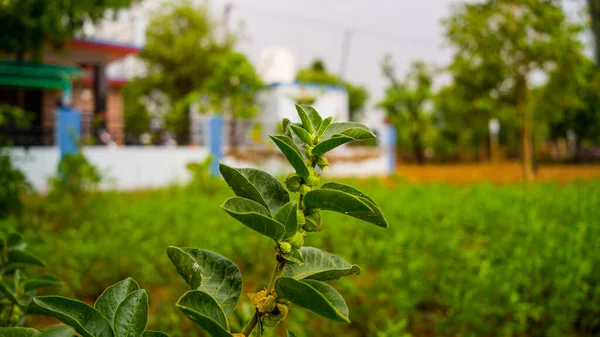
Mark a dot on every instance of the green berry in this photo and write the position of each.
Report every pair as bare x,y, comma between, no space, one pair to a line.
313,221
322,162
297,240
285,247
293,182
309,151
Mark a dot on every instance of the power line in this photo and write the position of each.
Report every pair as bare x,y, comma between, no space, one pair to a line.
286,16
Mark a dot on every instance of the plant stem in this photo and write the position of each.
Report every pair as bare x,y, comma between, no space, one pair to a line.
278,271
254,320
251,324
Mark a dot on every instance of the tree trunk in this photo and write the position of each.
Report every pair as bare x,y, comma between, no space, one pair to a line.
418,148
594,9
526,128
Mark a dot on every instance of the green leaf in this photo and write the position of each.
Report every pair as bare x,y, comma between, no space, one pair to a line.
20,257
286,127
306,122
208,271
255,216
2,245
358,133
339,128
294,256
58,331
302,134
13,239
324,125
376,217
9,292
289,333
313,116
40,282
321,266
287,216
203,310
330,144
19,278
19,332
291,152
337,201
131,316
87,321
152,333
315,296
111,297
256,185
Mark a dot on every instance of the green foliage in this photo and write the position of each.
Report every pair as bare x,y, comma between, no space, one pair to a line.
263,205
476,259
16,288
187,63
14,186
317,73
200,173
121,311
513,40
28,25
75,177
406,105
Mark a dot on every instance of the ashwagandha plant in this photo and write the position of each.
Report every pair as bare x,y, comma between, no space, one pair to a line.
264,205
120,311
17,290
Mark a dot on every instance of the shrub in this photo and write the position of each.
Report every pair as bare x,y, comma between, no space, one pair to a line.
16,288
13,185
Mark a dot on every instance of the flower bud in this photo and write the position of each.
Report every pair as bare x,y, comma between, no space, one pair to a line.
297,240
314,178
300,217
305,189
323,163
309,151
285,247
293,182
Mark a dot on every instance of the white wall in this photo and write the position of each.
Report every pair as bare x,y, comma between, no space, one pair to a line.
132,168
126,168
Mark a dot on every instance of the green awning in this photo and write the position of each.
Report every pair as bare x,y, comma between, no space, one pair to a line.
36,75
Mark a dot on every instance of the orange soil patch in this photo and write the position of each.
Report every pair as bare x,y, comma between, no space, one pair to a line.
506,172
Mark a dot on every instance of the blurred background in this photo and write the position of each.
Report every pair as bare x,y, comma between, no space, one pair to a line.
114,114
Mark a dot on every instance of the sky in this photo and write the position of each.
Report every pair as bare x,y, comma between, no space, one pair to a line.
408,29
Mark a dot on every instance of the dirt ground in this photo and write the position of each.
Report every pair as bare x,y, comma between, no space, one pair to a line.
505,172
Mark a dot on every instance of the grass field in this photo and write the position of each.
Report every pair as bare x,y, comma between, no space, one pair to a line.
458,260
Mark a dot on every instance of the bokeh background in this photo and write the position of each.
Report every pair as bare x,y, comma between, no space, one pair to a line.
113,115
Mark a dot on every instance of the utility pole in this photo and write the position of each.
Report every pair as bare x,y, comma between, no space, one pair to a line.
226,17
345,53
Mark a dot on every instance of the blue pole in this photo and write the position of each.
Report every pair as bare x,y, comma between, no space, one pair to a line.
215,131
391,148
68,130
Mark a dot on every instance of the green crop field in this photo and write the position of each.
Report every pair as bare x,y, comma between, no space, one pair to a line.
471,260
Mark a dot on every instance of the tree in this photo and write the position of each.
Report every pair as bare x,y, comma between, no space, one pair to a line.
407,103
525,37
577,109
26,26
186,63
466,105
317,73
